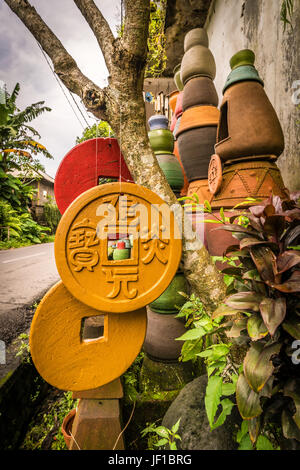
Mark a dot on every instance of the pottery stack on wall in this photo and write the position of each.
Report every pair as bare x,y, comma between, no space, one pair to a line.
196,132
162,143
249,139
163,326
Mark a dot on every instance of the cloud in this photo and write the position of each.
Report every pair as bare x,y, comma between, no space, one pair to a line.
21,60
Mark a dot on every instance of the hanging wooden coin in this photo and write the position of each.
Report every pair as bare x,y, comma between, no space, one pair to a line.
68,361
85,165
111,212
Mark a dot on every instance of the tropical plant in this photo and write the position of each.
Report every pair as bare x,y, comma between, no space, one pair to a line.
102,129
163,436
51,214
263,308
156,58
17,144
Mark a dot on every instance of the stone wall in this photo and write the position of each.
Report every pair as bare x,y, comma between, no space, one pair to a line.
255,24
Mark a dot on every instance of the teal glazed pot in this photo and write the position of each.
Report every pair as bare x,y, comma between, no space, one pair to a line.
177,77
242,74
172,170
170,298
158,121
195,36
161,141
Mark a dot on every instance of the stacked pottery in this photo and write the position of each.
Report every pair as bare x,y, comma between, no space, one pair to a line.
249,139
196,133
162,143
163,327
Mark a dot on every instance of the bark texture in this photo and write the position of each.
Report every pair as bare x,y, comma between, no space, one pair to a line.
122,105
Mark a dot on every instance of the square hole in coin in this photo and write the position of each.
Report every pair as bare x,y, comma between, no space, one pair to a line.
92,328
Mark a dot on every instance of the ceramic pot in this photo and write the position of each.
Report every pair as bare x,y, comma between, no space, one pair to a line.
66,427
242,68
161,141
121,252
173,123
176,127
248,124
243,57
195,149
198,116
160,342
249,178
158,121
170,299
173,99
177,77
178,108
197,62
199,91
172,170
200,187
194,37
184,189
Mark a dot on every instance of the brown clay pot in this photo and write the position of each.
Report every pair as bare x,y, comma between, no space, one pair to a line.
195,149
160,340
249,178
199,91
66,427
200,187
173,99
198,116
184,190
248,124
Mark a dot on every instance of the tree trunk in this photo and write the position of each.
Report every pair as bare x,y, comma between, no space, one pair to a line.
122,105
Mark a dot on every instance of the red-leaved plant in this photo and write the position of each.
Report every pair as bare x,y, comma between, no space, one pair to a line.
264,295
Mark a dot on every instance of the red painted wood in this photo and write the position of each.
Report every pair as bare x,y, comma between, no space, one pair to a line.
82,167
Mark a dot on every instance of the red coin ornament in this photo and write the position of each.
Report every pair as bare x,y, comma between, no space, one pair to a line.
84,166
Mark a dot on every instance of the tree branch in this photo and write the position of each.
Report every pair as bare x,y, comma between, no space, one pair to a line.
136,27
64,65
100,28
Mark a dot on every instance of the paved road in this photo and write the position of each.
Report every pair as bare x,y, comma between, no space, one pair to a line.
25,275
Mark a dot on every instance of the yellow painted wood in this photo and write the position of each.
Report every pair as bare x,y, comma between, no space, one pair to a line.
67,362
81,248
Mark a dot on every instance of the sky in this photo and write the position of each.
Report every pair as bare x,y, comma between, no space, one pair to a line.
21,60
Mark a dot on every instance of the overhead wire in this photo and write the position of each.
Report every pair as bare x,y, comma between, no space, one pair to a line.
61,87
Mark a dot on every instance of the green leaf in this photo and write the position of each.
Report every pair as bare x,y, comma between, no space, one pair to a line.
162,432
238,326
273,312
247,400
161,442
245,301
289,286
227,406
254,427
263,443
194,333
245,443
228,389
258,366
173,446
175,427
256,327
212,397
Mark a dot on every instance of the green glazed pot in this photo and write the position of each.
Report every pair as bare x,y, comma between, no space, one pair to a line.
161,141
172,170
170,298
177,77
121,253
243,57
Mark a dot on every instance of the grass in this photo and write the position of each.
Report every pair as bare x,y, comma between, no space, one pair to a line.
18,243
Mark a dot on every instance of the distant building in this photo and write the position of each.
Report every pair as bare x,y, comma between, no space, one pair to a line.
45,188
